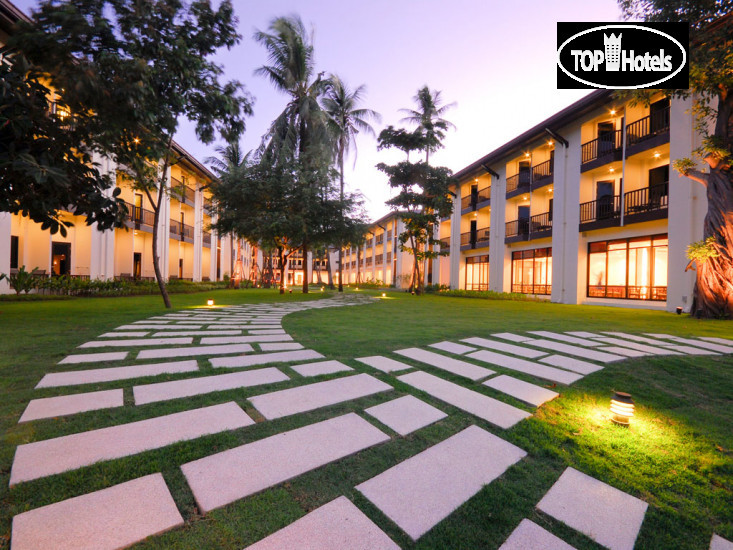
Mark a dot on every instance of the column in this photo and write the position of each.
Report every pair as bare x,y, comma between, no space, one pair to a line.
5,228
499,254
198,233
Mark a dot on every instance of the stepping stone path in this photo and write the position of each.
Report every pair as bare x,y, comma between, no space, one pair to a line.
334,526
406,414
610,517
417,493
530,536
234,474
423,490
719,543
116,517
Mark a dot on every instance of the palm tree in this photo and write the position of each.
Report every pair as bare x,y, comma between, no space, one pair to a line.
299,132
345,120
429,117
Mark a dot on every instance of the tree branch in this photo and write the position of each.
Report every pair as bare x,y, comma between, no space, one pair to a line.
696,175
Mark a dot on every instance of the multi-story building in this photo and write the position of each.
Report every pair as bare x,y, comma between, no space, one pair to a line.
188,248
578,208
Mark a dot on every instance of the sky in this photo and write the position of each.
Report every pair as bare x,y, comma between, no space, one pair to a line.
494,58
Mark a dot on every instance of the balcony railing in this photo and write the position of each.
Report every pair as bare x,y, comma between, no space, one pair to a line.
647,127
476,197
181,230
207,239
389,257
603,145
445,244
380,239
140,215
465,239
517,228
368,243
542,170
518,180
182,192
605,208
368,261
482,235
389,235
540,222
380,259
471,238
208,205
648,199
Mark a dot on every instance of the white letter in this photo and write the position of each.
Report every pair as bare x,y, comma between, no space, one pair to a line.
576,54
598,59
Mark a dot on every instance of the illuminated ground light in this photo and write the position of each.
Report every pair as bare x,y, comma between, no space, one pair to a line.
209,302
622,408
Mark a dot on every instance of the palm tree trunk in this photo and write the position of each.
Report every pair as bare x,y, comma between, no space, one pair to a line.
341,198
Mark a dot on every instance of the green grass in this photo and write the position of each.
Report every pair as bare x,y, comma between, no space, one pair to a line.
676,456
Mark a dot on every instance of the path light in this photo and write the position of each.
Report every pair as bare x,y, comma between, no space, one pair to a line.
622,408
321,289
679,310
384,295
209,302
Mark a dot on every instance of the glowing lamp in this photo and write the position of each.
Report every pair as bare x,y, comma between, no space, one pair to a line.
209,302
622,408
384,295
321,289
357,288
613,112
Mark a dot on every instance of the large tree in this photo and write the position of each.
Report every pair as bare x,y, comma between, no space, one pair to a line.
345,120
711,88
428,117
136,68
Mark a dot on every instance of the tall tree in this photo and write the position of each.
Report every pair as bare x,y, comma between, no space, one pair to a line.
711,88
345,120
299,132
136,68
428,116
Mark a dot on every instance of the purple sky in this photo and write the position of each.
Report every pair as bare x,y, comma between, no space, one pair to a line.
495,59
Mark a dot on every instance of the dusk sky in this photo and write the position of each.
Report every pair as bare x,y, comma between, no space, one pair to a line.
495,59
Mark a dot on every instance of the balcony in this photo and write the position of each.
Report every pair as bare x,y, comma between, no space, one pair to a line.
380,239
540,226
646,204
389,257
600,213
208,206
516,231
368,261
600,151
542,174
518,183
476,199
369,242
474,239
648,132
140,218
181,231
389,235
206,239
445,244
182,192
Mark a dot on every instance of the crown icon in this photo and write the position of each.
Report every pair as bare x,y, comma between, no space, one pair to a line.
612,46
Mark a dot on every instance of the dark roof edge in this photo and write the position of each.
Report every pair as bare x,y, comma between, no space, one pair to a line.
190,159
559,119
12,12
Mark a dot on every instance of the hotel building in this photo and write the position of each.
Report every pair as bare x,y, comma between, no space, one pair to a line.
584,208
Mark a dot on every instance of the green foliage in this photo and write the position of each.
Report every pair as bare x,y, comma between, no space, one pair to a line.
436,287
684,165
702,251
489,295
22,280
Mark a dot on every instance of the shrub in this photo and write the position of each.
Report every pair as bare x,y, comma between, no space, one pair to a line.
489,295
22,281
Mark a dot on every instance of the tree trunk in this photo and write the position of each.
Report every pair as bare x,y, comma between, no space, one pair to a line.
318,271
282,259
156,257
358,264
305,266
329,269
341,269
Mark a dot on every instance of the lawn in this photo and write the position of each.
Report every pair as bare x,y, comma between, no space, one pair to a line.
677,455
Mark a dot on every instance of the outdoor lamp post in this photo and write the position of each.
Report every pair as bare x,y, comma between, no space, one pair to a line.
622,408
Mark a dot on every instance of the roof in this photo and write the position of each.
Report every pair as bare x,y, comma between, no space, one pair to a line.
188,157
555,122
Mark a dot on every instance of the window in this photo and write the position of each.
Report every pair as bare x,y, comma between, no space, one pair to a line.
13,252
532,271
477,273
635,269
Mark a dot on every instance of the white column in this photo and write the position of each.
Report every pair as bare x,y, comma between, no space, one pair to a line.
214,252
198,233
102,247
498,251
455,241
5,228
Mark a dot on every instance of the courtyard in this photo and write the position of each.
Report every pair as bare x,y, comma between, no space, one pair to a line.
387,420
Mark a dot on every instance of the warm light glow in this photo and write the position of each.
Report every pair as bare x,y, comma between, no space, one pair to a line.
209,302
612,170
357,288
524,198
526,154
549,190
383,295
476,180
613,112
475,214
550,143
657,155
136,140
622,408
134,232
321,289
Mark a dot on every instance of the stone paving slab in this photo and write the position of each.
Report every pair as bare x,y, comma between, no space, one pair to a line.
406,414
565,338
570,363
321,367
448,364
660,343
111,518
628,352
64,405
200,333
634,337
151,393
691,342
512,337
265,358
524,391
610,517
338,525
266,331
154,327
719,543
507,348
452,347
93,357
215,326
527,367
425,489
582,334
530,536
577,351
280,346
162,353
653,350
135,334
492,410
150,322
385,364
722,341
246,339
93,376
135,342
314,396
69,452
236,473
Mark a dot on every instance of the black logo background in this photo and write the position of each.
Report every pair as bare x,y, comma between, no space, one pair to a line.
633,39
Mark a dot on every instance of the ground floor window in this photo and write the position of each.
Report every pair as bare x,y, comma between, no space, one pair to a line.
14,252
532,271
634,269
477,273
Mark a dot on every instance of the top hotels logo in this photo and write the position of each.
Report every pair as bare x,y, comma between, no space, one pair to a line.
622,55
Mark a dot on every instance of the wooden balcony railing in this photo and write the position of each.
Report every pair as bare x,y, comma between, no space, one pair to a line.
368,261
182,192
648,199
647,127
596,148
518,180
605,208
465,239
